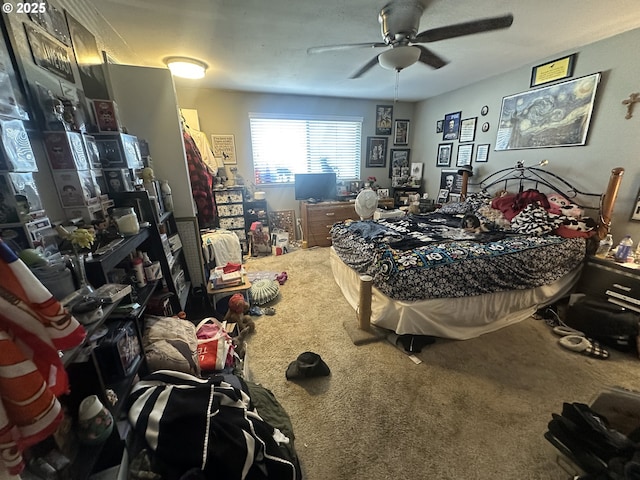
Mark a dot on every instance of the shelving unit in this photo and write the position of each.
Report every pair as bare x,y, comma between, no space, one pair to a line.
162,228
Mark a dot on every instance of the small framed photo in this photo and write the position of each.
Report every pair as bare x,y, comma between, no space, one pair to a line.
416,171
444,155
384,116
454,197
482,153
439,126
464,155
468,129
635,214
383,192
401,132
451,180
376,152
451,126
443,195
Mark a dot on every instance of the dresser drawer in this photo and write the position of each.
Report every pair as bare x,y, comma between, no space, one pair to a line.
227,196
230,210
604,279
231,223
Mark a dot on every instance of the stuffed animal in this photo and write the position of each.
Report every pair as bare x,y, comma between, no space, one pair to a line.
562,206
237,313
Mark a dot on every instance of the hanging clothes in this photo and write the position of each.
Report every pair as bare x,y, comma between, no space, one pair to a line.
33,327
201,182
201,141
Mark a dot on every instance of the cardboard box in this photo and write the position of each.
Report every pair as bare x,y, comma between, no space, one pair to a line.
91,147
16,154
119,151
66,151
101,184
19,198
106,115
118,180
76,188
88,213
37,234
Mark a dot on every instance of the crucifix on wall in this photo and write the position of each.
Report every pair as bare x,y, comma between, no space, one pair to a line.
629,102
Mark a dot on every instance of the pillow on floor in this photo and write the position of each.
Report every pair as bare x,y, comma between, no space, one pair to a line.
170,344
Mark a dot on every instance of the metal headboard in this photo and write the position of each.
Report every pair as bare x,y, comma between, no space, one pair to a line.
535,176
532,178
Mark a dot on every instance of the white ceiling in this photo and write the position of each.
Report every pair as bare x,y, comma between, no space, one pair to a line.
261,45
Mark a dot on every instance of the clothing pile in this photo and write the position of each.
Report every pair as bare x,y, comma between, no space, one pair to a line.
211,426
586,438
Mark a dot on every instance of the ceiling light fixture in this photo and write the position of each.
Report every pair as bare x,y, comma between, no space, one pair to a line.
186,67
399,57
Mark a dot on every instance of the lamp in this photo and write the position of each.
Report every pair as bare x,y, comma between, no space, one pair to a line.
399,57
186,67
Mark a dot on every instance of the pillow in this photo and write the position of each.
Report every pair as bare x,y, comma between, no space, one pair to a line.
170,344
534,220
263,291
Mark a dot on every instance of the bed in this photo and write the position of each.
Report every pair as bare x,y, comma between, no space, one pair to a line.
527,232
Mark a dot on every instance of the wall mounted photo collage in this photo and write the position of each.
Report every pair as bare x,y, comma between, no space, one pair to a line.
463,130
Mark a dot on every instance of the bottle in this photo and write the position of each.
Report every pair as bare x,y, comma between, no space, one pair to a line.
167,199
605,246
138,267
624,249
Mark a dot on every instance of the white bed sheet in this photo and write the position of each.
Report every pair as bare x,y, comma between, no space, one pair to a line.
455,318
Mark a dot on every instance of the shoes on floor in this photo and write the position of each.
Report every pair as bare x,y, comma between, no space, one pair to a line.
586,346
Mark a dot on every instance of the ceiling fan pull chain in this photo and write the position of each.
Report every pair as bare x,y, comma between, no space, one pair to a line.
395,95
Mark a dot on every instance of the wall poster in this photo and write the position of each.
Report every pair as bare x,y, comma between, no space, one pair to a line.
553,116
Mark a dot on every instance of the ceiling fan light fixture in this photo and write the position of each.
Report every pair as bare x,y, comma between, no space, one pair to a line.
400,57
186,67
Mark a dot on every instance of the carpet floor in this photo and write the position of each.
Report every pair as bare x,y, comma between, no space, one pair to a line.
473,409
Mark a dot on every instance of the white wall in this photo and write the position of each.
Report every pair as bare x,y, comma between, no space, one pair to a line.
227,112
612,140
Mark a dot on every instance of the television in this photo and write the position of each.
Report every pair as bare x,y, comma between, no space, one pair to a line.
315,186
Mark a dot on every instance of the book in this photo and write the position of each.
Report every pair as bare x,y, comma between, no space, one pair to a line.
112,292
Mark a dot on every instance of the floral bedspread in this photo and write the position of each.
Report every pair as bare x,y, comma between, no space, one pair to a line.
430,256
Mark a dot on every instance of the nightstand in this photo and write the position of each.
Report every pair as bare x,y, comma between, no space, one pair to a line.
617,283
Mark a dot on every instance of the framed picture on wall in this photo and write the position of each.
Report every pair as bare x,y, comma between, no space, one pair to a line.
444,155
224,147
384,116
451,126
401,132
376,152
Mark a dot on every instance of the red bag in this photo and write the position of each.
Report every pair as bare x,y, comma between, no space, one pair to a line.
215,347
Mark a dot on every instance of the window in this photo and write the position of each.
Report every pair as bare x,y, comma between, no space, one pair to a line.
286,145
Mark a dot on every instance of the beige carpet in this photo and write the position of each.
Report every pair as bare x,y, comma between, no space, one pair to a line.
474,409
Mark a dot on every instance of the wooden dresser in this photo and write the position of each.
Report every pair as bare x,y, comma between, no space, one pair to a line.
318,218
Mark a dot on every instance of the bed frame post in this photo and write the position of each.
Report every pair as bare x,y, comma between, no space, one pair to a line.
608,200
363,332
364,303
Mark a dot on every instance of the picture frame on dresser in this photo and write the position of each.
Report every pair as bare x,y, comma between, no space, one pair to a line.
635,213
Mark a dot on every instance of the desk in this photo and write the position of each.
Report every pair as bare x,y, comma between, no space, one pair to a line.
242,288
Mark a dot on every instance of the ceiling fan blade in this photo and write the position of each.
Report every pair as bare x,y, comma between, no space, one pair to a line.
346,46
466,28
368,66
429,58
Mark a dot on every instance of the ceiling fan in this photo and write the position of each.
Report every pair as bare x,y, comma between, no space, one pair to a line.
399,22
